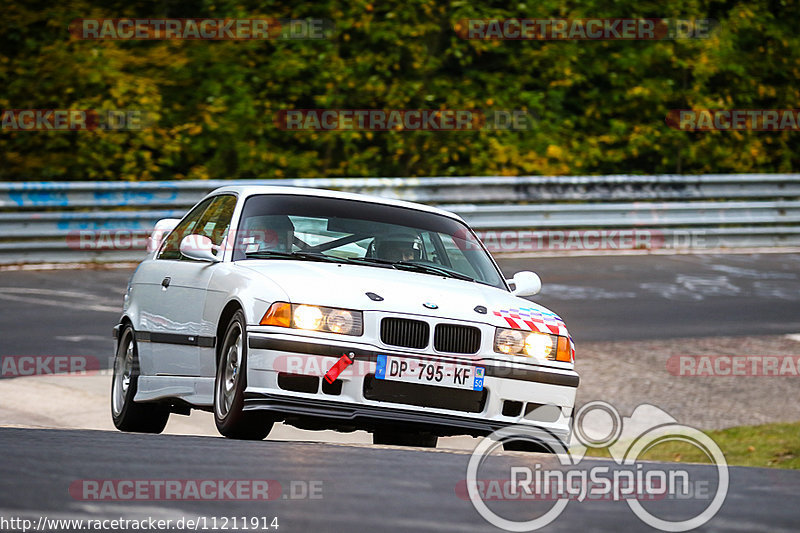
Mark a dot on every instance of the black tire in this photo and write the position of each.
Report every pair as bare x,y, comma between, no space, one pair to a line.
402,438
231,381
526,446
127,414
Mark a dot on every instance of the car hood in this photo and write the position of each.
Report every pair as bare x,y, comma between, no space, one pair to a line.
343,285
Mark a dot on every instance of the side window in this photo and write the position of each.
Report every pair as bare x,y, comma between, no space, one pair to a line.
211,218
216,220
171,247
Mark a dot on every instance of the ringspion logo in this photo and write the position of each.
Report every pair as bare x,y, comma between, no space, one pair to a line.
563,476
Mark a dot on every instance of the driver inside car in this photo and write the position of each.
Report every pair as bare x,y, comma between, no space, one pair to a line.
397,248
270,232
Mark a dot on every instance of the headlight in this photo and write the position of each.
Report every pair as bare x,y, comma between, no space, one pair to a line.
339,321
541,346
315,318
532,344
509,341
307,317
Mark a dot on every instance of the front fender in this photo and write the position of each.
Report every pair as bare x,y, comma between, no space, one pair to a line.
253,291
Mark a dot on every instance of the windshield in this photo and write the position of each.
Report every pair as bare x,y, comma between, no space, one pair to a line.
278,226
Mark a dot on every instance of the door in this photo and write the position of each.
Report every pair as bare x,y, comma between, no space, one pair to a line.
174,314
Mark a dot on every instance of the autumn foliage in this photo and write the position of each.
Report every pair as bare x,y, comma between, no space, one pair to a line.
599,105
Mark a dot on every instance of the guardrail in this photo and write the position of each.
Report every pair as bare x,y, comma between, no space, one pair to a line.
41,221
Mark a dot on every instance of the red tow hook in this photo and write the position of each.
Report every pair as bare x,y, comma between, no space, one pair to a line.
344,361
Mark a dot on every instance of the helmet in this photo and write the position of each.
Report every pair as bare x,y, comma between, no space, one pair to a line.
270,232
398,247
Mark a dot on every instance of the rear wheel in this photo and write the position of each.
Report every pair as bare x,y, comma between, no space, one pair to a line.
127,414
402,438
231,381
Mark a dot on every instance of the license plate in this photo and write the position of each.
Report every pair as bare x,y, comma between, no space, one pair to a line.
436,373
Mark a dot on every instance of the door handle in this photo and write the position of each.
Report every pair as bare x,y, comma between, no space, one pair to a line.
165,282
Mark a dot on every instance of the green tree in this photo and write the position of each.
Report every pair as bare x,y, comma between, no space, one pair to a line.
599,105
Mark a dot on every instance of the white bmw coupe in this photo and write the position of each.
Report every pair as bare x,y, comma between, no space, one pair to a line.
328,310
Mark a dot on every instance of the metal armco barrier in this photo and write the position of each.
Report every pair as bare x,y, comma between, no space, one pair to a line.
44,221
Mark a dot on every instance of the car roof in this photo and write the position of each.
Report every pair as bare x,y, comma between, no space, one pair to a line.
244,191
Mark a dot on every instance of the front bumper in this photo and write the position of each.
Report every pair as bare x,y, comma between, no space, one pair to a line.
353,404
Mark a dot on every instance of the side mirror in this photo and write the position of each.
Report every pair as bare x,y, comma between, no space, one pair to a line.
199,247
525,283
162,228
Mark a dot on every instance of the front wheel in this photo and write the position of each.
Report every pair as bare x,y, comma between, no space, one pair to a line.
526,446
403,438
127,414
231,381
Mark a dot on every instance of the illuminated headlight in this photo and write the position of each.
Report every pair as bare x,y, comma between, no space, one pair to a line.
340,321
541,346
315,318
509,341
307,317
532,344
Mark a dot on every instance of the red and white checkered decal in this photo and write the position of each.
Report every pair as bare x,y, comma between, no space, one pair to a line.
535,320
532,319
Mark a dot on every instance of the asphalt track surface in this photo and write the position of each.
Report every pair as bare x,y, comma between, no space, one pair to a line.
381,488
357,488
602,298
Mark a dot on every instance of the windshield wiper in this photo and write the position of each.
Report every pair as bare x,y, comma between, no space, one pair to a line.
399,265
371,260
430,269
317,257
409,265
306,256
